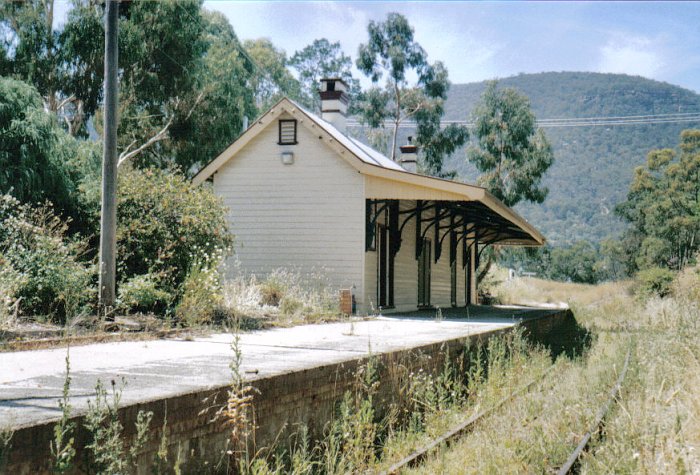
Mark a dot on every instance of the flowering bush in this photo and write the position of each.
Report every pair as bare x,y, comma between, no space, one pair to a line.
42,272
201,292
167,227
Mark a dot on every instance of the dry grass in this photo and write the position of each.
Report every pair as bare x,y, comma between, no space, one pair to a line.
537,430
528,290
656,426
283,298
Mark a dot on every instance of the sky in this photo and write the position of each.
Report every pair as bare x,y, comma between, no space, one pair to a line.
486,40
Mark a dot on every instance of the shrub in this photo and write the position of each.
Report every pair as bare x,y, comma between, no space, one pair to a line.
201,295
51,279
141,293
655,281
272,291
687,284
11,282
167,225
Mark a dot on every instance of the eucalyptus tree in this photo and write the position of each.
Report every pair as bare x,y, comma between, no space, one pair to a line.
35,153
271,79
65,66
393,55
184,76
511,152
663,207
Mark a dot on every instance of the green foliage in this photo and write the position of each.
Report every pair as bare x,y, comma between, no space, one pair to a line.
580,262
34,150
272,79
655,281
511,153
222,77
11,282
322,59
575,263
107,447
142,293
391,53
52,280
612,263
162,44
183,81
65,66
663,206
201,294
31,42
62,447
166,226
349,445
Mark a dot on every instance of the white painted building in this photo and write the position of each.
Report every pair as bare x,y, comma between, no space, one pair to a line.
305,196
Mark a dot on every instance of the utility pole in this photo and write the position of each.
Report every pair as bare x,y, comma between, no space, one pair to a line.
108,220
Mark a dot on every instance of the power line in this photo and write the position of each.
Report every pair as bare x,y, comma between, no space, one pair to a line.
579,121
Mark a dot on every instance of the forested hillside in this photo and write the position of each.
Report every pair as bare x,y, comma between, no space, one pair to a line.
593,164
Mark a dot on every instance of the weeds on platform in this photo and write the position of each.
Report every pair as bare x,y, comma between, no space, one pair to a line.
282,298
107,451
237,412
63,444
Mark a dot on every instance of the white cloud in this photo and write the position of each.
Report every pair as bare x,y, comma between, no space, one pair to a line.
636,55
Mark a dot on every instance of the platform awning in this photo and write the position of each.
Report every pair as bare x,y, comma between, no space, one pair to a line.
481,213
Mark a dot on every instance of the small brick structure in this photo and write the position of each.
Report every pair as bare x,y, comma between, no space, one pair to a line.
346,302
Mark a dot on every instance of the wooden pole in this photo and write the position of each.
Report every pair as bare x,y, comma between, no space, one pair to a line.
108,220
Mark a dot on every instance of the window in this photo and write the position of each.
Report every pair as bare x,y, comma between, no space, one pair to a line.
288,132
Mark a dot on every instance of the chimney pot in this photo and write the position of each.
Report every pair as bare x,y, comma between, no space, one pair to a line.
334,102
409,156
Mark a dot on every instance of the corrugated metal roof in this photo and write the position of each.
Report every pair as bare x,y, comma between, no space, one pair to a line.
363,152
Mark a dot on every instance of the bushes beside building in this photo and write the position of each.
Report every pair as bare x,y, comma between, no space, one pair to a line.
43,273
167,230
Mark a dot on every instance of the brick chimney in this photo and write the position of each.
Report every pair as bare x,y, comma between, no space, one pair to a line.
409,156
334,102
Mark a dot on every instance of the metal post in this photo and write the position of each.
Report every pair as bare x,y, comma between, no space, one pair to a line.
108,220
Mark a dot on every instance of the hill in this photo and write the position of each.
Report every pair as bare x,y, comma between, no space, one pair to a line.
593,164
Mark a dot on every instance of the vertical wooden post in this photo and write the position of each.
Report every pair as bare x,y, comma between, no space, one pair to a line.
108,220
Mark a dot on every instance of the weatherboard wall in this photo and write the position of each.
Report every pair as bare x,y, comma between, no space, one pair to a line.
306,217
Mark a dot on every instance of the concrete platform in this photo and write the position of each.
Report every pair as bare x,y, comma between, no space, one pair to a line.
31,381
299,375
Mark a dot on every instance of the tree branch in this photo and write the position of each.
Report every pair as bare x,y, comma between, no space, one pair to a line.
160,135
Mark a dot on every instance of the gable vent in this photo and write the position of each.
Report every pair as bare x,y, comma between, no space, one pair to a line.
287,132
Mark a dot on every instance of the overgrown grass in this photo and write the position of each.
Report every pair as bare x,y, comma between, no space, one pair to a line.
368,433
656,426
283,298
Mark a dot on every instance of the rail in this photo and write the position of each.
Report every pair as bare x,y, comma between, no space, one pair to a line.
418,455
572,461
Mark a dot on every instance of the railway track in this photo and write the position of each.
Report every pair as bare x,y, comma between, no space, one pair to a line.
572,462
416,457
419,455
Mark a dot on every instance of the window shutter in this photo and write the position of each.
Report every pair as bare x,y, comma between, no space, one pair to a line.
288,132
